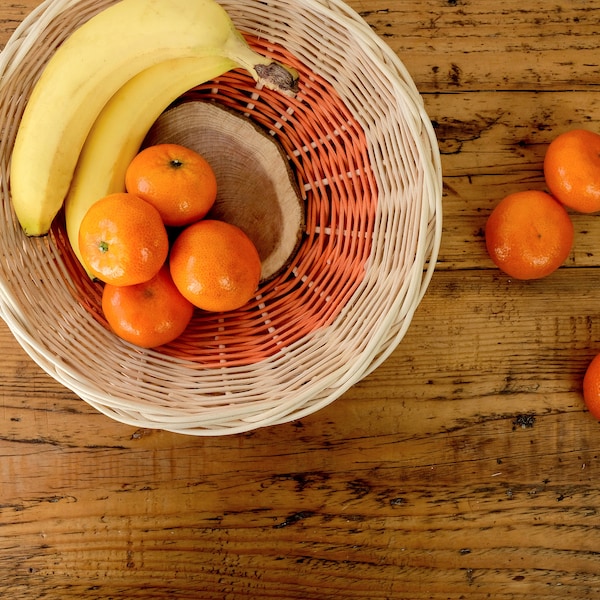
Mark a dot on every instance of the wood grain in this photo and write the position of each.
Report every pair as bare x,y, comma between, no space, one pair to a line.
464,467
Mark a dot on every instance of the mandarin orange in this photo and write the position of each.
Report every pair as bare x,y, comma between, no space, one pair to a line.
176,180
572,169
529,234
591,387
215,265
147,314
123,240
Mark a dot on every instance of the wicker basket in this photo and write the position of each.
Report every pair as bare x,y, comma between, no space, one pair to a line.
366,160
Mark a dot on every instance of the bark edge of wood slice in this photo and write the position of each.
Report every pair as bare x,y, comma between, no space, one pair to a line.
256,188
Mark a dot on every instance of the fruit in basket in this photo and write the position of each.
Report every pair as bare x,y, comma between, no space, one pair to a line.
121,126
215,265
147,314
572,169
123,240
529,234
177,181
90,67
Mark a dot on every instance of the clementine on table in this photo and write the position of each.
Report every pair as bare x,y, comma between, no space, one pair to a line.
147,314
591,387
215,265
529,234
572,169
123,240
178,181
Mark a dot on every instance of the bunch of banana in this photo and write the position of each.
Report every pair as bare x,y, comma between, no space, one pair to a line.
101,92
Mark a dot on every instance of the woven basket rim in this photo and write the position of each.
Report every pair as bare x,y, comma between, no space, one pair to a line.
333,375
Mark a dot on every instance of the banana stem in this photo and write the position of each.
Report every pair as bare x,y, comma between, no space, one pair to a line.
271,74
277,77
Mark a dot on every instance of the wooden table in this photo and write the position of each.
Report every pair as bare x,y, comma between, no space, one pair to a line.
464,467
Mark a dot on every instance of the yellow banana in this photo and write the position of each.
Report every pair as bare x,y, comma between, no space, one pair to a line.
118,132
88,68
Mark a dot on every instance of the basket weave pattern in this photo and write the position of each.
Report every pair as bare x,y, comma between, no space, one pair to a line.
366,160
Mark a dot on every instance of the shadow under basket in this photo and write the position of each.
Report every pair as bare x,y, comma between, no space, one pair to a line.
366,162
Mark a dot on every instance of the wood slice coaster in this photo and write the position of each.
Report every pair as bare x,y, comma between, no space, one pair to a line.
256,188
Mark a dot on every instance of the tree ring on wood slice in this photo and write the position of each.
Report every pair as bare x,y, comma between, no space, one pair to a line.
256,188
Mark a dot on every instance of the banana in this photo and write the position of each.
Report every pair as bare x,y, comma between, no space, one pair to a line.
90,67
118,132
